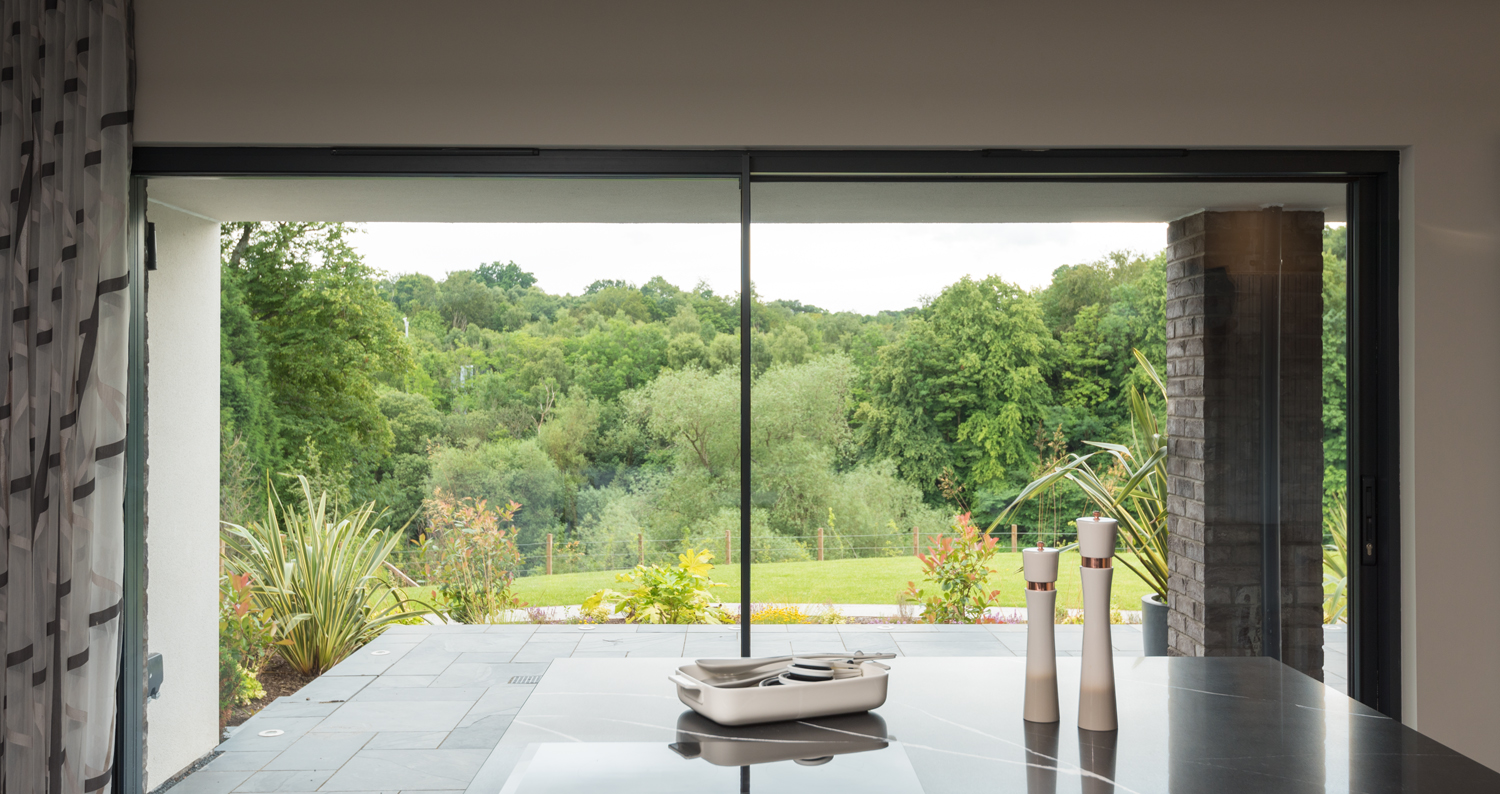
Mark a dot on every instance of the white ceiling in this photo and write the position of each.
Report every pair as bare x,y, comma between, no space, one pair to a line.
564,200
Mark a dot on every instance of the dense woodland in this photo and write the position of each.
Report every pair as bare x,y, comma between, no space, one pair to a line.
615,413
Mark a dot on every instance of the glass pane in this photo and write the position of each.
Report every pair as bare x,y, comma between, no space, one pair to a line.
533,381
939,318
603,397
930,357
1335,348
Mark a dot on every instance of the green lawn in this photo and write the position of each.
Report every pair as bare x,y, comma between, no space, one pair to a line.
863,581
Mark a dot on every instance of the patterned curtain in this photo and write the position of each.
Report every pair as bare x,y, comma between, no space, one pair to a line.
65,113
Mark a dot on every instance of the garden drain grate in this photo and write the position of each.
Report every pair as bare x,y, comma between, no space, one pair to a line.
525,679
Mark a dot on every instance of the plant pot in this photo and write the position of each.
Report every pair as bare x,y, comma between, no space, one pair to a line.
1154,625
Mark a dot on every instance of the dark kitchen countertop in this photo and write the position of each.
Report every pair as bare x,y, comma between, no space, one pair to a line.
953,724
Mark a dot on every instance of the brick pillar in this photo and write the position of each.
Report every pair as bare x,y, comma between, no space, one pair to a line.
1232,277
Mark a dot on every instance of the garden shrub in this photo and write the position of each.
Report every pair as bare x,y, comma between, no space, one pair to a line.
658,594
956,572
320,578
237,685
475,559
829,616
777,614
246,643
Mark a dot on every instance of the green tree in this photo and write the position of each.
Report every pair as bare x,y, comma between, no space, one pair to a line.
618,357
1075,286
507,276
247,411
790,346
599,285
568,437
615,413
618,301
411,293
1099,311
718,312
662,298
463,298
329,336
964,387
799,432
502,471
1085,379
696,414
1135,319
1335,362
415,426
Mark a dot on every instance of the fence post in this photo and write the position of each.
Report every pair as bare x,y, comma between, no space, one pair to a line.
640,546
1013,538
820,544
728,549
400,574
916,536
549,553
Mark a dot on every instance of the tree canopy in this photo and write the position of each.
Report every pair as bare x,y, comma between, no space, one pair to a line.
613,415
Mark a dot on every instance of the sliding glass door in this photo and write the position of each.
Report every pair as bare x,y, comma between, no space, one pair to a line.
973,364
928,346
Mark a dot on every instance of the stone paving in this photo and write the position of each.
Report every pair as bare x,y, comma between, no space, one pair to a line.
422,707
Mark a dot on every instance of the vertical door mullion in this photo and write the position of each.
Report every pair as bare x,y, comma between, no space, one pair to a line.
1361,590
745,297
1385,420
1373,532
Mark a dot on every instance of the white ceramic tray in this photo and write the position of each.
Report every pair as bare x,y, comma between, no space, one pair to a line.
751,705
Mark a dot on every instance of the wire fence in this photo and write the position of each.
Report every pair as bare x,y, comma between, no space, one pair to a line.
909,540
558,554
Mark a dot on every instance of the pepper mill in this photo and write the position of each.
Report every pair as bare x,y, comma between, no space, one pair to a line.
1040,569
1096,690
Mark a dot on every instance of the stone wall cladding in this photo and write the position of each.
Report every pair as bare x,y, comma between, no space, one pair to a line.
1220,266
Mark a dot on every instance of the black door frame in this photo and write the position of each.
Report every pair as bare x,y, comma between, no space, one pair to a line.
129,770
1374,420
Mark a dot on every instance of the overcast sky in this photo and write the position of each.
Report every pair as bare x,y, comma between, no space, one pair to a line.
839,267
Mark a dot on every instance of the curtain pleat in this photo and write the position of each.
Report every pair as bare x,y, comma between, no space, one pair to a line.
65,131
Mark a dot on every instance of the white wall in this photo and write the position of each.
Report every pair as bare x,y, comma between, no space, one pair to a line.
182,490
849,73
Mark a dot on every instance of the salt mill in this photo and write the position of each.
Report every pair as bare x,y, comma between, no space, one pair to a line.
1040,569
1096,690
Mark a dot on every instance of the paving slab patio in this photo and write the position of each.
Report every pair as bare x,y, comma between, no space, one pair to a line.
423,708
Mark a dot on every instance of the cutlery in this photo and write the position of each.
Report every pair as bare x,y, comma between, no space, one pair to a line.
720,667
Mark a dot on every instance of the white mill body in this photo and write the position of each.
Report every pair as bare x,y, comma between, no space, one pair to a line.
1096,689
1040,565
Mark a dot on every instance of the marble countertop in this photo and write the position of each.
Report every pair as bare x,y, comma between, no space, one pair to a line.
1186,725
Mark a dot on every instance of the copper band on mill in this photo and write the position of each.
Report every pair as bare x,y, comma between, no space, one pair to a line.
1041,586
1096,562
